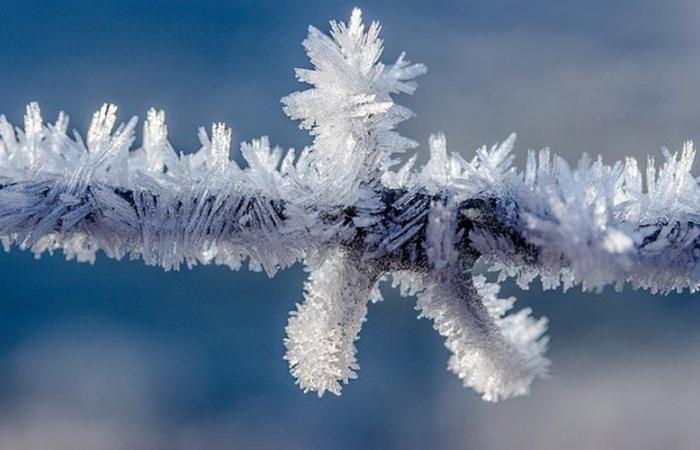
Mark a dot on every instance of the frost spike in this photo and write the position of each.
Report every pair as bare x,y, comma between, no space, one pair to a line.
101,126
349,109
220,146
155,137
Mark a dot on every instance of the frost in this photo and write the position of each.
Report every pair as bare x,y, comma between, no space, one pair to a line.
322,331
344,208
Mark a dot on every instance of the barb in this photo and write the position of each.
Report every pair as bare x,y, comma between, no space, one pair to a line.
345,210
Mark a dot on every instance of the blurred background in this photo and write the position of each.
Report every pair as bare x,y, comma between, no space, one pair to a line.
123,356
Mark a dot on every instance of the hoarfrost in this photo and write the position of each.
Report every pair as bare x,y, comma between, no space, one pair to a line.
346,210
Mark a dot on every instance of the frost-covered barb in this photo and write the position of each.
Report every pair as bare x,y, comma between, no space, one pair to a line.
343,208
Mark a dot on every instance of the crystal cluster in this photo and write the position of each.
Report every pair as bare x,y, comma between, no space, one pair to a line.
355,215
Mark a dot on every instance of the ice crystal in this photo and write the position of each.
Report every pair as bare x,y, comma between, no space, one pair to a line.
344,208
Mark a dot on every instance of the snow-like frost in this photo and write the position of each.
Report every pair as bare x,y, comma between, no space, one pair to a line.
344,208
322,331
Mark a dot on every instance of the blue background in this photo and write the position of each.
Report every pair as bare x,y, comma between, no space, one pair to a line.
120,355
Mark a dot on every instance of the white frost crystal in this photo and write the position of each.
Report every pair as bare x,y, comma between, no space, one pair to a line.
322,331
343,208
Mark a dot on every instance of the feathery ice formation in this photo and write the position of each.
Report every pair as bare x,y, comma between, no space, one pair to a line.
354,219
